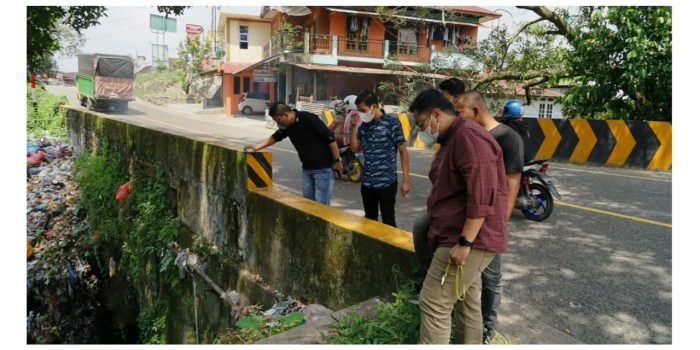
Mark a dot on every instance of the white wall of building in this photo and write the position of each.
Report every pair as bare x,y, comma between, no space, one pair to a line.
259,34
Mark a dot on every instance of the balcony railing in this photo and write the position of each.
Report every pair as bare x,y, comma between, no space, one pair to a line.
409,52
321,44
292,40
360,47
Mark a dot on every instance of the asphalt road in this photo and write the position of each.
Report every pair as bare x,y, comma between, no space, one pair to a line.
599,269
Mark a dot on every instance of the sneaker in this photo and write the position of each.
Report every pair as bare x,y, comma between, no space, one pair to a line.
488,334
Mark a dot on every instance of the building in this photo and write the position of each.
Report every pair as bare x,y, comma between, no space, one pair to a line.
323,53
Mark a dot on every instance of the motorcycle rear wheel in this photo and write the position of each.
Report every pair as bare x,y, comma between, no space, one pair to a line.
354,170
545,201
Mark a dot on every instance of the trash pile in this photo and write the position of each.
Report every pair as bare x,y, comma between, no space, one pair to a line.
61,283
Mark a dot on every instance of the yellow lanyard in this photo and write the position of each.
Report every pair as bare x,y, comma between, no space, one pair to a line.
459,271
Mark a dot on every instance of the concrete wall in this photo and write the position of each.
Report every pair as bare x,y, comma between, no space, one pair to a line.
302,248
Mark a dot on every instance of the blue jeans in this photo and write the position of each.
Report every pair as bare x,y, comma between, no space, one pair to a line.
317,185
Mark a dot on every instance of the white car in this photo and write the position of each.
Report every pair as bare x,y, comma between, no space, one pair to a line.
253,102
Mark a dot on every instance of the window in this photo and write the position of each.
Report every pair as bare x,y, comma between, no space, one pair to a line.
236,85
545,110
256,87
243,33
246,84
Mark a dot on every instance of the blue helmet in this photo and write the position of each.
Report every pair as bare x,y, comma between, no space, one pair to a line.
512,109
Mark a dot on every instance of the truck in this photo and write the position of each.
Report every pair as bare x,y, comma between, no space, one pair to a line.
105,81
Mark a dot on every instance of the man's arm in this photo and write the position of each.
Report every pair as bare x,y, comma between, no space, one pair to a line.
337,166
354,142
405,184
513,183
267,143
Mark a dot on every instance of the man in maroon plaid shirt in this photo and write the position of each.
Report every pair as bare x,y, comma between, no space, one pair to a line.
468,210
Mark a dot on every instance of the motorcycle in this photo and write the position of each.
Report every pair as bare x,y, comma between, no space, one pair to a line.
352,166
535,199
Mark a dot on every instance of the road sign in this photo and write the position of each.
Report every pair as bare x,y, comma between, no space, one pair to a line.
158,22
193,28
261,76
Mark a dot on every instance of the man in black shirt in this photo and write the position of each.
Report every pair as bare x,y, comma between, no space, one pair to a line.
315,144
473,106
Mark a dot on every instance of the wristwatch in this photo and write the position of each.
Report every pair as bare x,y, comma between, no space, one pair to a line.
463,242
336,160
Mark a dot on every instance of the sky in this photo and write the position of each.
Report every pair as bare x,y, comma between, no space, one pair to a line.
126,29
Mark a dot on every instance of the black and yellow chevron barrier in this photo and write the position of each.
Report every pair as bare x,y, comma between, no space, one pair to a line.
259,166
607,142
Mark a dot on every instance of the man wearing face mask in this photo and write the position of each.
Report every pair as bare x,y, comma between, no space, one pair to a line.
379,137
468,207
315,144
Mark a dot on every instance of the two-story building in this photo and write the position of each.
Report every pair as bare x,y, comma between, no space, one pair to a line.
327,52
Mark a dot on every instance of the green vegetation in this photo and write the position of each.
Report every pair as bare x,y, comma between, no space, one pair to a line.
256,326
143,81
393,323
135,233
46,119
191,53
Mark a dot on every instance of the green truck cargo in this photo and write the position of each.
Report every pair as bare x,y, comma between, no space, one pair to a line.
105,81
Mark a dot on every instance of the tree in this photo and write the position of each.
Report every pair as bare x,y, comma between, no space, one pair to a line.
619,59
191,53
42,22
45,25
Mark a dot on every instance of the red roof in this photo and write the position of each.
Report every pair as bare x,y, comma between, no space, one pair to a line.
474,10
235,68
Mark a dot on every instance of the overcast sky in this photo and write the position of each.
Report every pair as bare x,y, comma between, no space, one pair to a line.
126,29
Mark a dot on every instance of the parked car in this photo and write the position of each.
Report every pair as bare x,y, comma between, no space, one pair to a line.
254,102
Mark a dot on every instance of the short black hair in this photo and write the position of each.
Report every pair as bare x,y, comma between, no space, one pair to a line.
278,108
453,86
476,99
429,99
367,97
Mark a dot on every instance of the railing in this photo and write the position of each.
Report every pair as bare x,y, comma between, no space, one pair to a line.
284,40
321,44
360,47
409,52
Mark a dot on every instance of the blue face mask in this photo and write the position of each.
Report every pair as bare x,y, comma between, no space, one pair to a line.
281,126
427,137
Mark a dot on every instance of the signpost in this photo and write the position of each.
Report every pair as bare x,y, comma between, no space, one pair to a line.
193,29
159,25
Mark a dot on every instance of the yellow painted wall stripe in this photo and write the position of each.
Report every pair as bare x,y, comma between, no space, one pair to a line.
405,124
663,157
260,172
605,212
586,140
552,137
370,228
418,143
251,184
329,116
625,142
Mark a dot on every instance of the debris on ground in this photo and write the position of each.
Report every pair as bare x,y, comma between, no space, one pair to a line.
61,284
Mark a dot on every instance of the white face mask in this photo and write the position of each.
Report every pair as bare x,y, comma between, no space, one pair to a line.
427,136
367,117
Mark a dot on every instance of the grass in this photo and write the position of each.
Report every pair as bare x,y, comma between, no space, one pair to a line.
46,120
392,323
144,79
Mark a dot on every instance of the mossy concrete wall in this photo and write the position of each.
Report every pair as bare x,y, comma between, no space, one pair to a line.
302,248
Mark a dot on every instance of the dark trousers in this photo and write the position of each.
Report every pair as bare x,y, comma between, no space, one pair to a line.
492,287
384,199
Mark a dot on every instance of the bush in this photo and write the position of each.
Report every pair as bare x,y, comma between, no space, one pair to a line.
46,120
